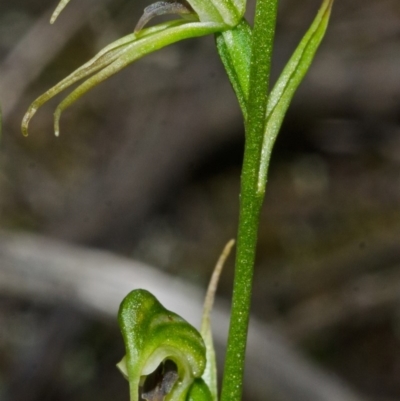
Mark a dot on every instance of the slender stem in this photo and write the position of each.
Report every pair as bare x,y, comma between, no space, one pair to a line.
251,198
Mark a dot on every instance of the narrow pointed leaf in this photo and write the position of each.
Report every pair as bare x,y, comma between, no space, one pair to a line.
291,77
234,48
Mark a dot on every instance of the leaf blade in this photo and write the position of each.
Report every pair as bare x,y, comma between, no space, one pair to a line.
234,48
288,82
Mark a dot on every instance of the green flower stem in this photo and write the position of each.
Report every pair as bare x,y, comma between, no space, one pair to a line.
251,198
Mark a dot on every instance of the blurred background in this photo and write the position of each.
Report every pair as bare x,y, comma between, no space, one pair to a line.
147,169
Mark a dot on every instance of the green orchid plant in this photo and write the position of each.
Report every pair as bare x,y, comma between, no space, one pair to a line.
166,358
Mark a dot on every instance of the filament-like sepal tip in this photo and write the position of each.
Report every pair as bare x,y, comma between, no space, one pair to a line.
27,118
57,115
61,5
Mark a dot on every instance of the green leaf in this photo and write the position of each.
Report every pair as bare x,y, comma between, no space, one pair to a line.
291,77
234,48
164,353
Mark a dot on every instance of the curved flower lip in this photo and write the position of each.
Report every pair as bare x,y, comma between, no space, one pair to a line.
115,57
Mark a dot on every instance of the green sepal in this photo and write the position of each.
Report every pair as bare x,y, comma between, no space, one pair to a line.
152,335
114,58
61,5
234,48
210,373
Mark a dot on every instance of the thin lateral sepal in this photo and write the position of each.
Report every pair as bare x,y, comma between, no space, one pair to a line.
137,50
210,373
117,56
287,84
101,60
60,7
